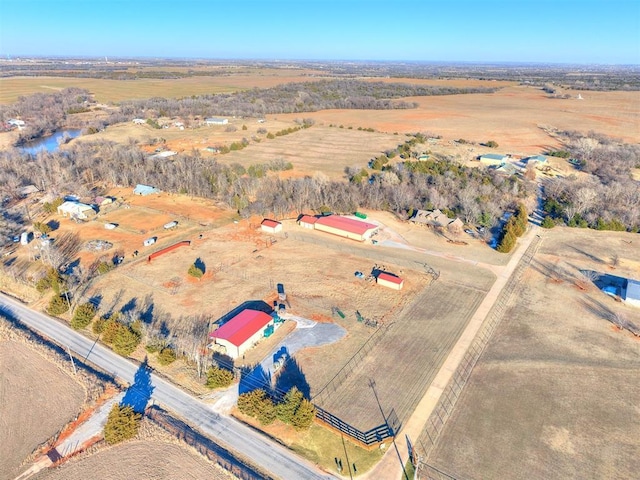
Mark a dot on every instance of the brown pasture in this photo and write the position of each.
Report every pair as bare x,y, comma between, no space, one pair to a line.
555,393
515,116
37,400
149,459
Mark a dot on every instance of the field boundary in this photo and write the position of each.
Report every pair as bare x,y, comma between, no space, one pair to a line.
429,437
205,446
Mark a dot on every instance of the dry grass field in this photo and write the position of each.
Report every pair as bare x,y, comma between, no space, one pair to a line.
146,459
114,91
555,394
514,117
36,400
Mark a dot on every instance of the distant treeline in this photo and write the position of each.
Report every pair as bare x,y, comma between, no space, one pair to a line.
294,98
578,77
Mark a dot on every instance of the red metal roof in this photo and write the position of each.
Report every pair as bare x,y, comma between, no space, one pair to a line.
346,224
242,327
270,223
308,219
390,278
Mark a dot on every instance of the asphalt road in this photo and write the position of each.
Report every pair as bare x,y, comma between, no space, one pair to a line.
264,453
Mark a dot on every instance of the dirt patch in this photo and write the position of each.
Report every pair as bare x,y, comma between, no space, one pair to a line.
36,400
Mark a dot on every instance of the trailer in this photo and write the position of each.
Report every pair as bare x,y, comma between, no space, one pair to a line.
149,241
170,225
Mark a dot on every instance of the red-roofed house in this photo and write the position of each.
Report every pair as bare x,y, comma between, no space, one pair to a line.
270,226
389,280
242,332
307,221
346,227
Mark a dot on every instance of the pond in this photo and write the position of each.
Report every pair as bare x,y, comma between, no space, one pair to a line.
49,144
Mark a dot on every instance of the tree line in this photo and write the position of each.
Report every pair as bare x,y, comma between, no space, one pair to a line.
608,198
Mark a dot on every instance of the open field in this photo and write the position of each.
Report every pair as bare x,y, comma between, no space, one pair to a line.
555,393
317,149
36,400
230,80
407,358
513,117
113,91
148,459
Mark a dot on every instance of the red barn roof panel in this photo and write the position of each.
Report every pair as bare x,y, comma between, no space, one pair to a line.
242,327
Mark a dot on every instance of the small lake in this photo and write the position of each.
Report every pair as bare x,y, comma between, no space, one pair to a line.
50,143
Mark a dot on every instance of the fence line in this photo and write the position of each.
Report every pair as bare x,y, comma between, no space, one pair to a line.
428,439
332,385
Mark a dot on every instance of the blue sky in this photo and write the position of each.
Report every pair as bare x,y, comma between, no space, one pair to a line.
555,31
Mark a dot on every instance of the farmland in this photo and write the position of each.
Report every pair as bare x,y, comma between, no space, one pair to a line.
557,380
37,398
151,459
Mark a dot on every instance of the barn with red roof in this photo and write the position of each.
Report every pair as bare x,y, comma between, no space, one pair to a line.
346,227
390,280
270,226
242,332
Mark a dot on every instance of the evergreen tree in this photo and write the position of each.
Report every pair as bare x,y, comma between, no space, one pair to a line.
58,305
304,416
122,424
219,377
286,410
83,315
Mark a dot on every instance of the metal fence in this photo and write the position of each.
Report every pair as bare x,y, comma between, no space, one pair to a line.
443,410
348,368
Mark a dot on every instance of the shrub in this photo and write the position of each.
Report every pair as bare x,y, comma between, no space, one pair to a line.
52,207
492,144
152,347
83,315
219,377
295,410
548,222
122,424
58,305
104,267
167,356
195,271
42,227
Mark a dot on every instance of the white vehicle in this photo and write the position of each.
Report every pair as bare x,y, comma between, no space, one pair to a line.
149,241
110,226
170,225
25,238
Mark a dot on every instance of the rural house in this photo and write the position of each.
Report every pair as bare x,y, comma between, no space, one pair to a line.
539,159
75,209
144,190
270,226
346,227
436,218
492,159
390,280
241,332
139,121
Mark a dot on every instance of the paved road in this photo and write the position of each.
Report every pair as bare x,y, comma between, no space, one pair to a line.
264,453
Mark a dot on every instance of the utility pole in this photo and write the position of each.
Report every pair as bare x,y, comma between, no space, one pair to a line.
75,372
372,384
